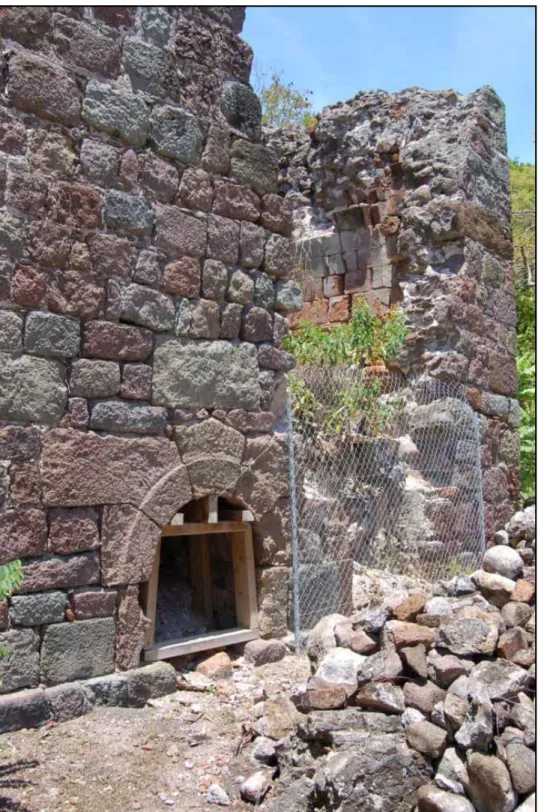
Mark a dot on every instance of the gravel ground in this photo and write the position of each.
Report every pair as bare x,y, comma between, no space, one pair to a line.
164,755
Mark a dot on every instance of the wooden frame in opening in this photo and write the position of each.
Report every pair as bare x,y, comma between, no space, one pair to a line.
244,580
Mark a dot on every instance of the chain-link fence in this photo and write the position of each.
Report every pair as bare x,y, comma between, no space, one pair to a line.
387,476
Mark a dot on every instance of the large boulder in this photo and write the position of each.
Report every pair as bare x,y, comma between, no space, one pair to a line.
503,561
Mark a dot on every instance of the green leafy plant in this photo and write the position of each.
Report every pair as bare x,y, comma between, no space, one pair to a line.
282,104
526,398
11,577
368,338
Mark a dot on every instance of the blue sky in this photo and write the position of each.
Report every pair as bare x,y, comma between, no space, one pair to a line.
336,52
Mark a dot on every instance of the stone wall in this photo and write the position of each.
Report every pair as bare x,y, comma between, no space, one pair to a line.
144,256
403,199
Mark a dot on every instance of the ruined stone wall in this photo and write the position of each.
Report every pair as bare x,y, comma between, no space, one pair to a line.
403,199
143,294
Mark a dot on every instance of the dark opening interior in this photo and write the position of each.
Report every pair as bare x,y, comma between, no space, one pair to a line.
179,610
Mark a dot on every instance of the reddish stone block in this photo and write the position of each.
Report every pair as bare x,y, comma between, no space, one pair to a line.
195,190
23,533
39,85
178,233
116,342
276,214
257,325
182,277
223,239
112,256
25,486
12,132
128,176
73,531
136,382
84,46
19,444
26,191
116,16
316,312
50,244
235,201
58,572
246,422
77,416
95,603
131,629
495,486
503,374
339,308
252,245
158,178
72,294
74,204
28,287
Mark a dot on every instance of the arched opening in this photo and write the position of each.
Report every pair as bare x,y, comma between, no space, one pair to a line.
201,593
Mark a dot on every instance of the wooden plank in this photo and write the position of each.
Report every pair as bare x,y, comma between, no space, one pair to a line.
244,575
201,528
200,576
235,515
151,597
200,643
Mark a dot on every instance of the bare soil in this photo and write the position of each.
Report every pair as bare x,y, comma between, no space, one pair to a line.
164,755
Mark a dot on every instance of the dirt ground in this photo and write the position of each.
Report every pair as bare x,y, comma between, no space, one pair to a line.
163,755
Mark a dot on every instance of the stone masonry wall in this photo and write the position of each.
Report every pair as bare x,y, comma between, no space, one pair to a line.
144,256
403,199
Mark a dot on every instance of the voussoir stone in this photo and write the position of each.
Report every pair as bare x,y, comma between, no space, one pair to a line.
81,469
79,650
128,542
201,374
208,437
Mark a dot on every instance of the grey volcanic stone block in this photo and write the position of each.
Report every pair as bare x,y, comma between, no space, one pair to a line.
36,610
176,134
116,111
150,69
254,166
111,691
78,650
242,108
128,213
130,418
24,709
99,162
49,334
288,297
148,308
202,374
20,667
150,682
156,24
11,326
92,378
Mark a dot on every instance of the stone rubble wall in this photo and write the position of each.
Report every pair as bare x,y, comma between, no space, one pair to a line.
403,199
420,700
144,262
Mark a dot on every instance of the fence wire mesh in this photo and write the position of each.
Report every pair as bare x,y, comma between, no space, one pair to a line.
387,476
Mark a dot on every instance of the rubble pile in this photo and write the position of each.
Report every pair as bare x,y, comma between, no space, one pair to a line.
426,702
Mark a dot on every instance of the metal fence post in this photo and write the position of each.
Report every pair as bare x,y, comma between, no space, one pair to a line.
294,540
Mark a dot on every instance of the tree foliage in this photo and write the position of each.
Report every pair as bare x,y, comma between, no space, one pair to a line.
523,223
283,104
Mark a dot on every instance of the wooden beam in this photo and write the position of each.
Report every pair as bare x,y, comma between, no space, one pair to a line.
201,643
201,581
244,576
201,528
150,597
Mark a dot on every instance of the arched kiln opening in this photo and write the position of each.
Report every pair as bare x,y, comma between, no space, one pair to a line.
202,591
